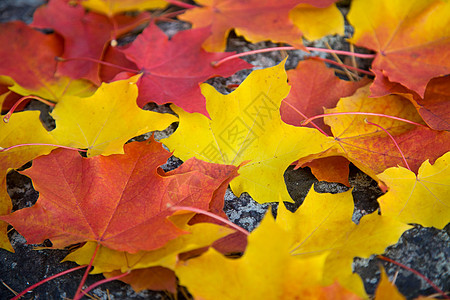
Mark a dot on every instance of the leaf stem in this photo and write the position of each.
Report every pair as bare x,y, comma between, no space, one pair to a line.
41,144
395,142
62,59
45,280
343,66
13,108
209,214
443,294
361,113
93,286
217,63
304,116
79,293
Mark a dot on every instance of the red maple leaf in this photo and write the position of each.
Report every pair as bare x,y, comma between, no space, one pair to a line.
86,34
27,55
308,97
120,201
433,107
173,69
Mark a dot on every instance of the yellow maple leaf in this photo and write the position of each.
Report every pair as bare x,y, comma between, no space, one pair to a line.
246,125
315,22
323,224
422,199
57,89
266,270
369,147
103,122
22,128
386,290
112,7
108,260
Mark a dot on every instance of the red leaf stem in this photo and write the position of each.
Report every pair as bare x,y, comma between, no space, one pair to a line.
216,64
45,280
443,294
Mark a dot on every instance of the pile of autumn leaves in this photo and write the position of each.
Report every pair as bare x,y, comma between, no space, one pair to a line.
124,206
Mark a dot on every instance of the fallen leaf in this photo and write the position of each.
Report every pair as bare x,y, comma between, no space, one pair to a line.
103,122
255,20
30,60
336,291
369,147
86,34
115,56
22,128
330,169
265,271
155,278
317,22
107,260
30,63
308,98
371,236
112,7
433,107
173,69
249,129
411,39
113,200
421,199
387,290
323,224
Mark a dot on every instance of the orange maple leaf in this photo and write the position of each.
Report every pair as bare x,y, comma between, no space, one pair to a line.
120,201
412,39
369,147
255,19
308,97
433,106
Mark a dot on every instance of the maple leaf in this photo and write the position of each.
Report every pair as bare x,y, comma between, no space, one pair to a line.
22,128
317,20
266,270
433,107
114,56
7,97
336,291
30,62
103,122
330,169
308,98
85,35
109,260
412,39
369,147
249,129
323,224
421,199
112,7
386,289
154,278
255,20
173,69
114,200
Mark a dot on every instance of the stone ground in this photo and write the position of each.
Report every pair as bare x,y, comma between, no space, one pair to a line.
424,249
